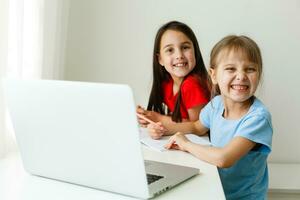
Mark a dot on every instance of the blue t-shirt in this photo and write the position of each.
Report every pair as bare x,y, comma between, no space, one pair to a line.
248,177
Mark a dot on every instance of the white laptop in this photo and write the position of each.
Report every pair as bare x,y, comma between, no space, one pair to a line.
86,134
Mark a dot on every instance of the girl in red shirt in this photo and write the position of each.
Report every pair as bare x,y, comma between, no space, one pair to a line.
181,87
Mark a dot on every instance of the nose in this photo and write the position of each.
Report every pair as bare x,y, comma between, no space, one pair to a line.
240,75
179,54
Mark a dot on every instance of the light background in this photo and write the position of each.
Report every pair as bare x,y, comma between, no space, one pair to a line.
112,41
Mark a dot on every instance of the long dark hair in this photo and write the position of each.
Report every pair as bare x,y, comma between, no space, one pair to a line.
160,74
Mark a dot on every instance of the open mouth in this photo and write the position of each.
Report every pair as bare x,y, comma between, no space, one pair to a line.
240,87
180,64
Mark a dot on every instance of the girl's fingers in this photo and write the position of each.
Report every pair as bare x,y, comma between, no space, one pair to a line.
170,143
139,106
160,127
154,134
155,131
141,121
150,126
155,137
140,110
155,126
175,146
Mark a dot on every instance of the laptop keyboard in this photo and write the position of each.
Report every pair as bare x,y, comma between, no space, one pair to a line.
152,178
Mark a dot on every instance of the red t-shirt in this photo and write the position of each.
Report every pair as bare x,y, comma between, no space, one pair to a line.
191,95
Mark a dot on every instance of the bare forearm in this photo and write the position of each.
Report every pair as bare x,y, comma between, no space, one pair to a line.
212,155
184,127
222,157
165,119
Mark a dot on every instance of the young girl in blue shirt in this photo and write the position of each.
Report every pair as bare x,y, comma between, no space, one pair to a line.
240,125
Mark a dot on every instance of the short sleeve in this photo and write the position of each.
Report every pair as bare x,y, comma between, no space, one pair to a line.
205,115
193,94
259,130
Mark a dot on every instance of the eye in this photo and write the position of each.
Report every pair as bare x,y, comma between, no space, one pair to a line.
169,50
185,47
230,69
250,69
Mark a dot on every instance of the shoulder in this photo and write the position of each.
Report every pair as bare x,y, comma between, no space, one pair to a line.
214,105
190,81
191,84
210,111
259,111
192,93
257,125
216,102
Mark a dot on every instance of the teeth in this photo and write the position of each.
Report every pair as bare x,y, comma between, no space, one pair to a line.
239,87
180,65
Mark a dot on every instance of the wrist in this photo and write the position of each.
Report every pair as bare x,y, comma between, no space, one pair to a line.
186,145
158,116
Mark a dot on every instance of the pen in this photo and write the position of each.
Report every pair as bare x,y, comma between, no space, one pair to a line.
145,118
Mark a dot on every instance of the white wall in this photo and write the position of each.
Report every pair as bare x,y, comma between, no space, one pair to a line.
112,41
55,22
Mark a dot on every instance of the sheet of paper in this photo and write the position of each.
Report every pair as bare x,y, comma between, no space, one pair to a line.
158,145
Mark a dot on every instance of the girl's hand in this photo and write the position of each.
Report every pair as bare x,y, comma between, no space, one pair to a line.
152,115
177,141
140,110
156,131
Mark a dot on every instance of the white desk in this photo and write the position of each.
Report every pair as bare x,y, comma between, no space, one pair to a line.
16,184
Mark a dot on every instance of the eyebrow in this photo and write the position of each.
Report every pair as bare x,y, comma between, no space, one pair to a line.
229,64
249,64
169,45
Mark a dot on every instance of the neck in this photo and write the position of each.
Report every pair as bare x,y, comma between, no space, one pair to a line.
233,110
176,84
177,80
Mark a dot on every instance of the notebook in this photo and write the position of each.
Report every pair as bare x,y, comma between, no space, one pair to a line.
86,134
159,145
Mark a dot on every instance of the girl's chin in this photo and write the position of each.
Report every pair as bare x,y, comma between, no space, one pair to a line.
181,75
238,97
241,99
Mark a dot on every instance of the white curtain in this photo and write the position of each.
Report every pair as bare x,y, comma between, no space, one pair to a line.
32,48
3,63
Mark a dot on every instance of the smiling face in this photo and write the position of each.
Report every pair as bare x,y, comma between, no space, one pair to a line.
235,75
177,54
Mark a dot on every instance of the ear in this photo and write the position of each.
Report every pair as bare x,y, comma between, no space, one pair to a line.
159,59
212,73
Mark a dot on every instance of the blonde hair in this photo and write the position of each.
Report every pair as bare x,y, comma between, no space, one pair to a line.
237,44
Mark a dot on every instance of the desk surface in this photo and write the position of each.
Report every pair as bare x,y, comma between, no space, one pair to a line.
16,184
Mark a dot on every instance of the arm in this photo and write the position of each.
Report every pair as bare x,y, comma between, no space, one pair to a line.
193,115
165,125
187,126
221,157
152,115
195,112
157,130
